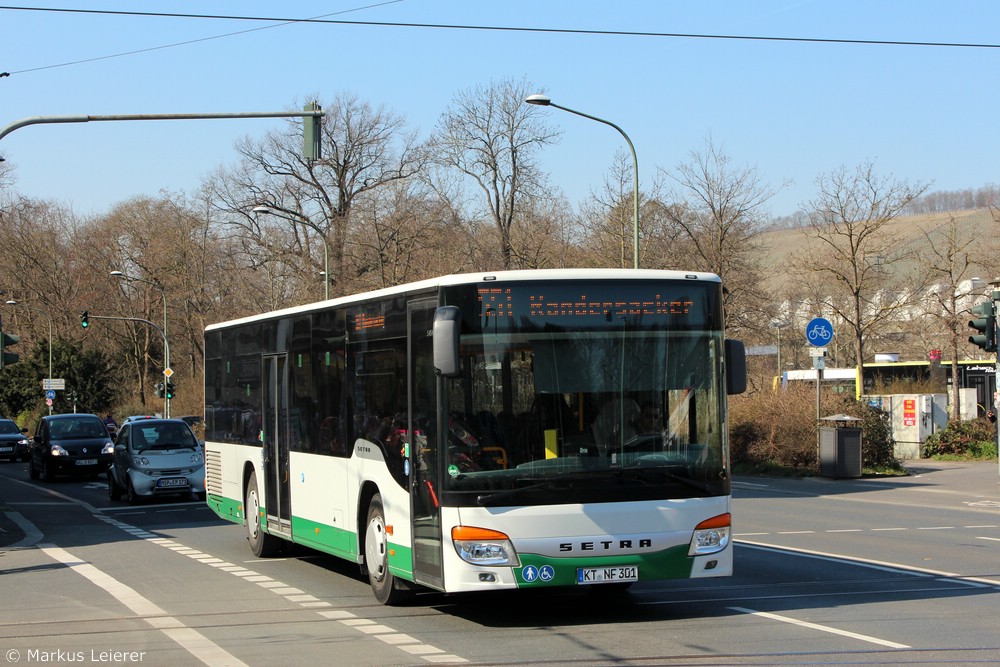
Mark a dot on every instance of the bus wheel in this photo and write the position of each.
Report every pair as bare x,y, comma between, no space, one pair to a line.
261,544
388,590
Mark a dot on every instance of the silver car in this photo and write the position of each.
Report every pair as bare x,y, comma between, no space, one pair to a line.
155,457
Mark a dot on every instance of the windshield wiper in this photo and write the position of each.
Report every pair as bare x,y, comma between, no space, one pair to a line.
489,498
561,482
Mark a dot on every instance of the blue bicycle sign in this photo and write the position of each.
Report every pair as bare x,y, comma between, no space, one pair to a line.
819,332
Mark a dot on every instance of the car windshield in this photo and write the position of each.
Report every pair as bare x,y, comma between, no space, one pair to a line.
7,427
79,428
162,437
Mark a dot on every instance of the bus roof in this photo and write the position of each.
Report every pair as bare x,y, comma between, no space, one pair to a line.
479,277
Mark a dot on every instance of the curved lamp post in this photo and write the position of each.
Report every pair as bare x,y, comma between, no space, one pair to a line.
12,302
166,348
262,209
545,101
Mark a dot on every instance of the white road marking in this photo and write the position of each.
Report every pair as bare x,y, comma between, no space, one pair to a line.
895,568
821,628
187,638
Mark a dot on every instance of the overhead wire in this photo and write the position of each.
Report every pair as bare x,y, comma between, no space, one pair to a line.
446,26
281,23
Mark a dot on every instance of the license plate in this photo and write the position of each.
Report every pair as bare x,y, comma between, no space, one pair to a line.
86,462
604,575
171,482
6,449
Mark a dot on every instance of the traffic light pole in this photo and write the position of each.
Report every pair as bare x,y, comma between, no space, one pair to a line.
166,345
311,131
995,298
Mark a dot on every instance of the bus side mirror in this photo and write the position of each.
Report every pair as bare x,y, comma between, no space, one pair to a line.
736,367
447,325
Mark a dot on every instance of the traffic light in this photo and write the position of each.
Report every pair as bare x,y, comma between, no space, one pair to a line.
169,389
985,323
312,133
160,390
85,319
6,340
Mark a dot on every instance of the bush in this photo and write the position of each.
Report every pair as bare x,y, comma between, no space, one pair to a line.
970,439
769,429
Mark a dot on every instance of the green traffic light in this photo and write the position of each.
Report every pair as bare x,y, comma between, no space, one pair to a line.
985,322
85,319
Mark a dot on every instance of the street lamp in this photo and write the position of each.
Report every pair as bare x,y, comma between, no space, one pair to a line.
267,210
545,101
12,302
166,347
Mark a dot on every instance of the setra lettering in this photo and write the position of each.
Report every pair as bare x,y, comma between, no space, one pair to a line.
607,545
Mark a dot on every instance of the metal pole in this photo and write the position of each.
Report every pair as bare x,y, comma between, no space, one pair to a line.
544,101
82,118
995,296
635,180
166,353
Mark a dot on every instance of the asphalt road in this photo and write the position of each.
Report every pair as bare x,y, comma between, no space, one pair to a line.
871,571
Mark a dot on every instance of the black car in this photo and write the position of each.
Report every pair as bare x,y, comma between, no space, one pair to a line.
70,444
13,441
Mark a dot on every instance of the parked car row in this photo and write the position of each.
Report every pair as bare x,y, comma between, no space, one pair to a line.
149,456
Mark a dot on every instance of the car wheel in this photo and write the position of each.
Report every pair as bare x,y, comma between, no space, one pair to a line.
130,494
262,544
114,491
388,590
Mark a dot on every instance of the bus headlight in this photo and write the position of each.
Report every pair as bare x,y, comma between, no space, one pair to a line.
711,535
480,546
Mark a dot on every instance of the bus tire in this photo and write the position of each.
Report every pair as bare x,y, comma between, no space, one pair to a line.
261,544
387,589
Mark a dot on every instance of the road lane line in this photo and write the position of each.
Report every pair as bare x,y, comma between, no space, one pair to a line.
31,533
895,568
187,638
821,628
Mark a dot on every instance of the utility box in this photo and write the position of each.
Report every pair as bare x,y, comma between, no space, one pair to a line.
913,418
840,446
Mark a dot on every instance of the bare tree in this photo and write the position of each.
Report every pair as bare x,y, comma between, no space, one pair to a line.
950,257
608,215
851,250
720,211
491,136
363,149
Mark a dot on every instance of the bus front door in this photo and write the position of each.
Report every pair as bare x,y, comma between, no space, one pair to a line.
275,444
423,459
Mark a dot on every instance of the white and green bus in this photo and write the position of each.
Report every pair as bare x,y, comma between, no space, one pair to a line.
518,429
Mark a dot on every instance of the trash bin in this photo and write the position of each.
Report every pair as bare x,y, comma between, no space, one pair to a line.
840,446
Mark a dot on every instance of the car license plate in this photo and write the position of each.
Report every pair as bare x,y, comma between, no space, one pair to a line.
86,462
604,575
6,449
171,482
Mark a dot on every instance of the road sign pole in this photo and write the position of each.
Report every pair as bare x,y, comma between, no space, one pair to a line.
819,332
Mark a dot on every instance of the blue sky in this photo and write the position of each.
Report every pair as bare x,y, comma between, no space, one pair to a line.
793,110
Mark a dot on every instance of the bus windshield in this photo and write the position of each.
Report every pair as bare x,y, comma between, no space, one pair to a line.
571,397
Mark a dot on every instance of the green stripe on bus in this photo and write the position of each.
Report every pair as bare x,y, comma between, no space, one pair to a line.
226,508
671,563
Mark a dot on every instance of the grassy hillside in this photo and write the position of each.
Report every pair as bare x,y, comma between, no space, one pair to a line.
785,244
